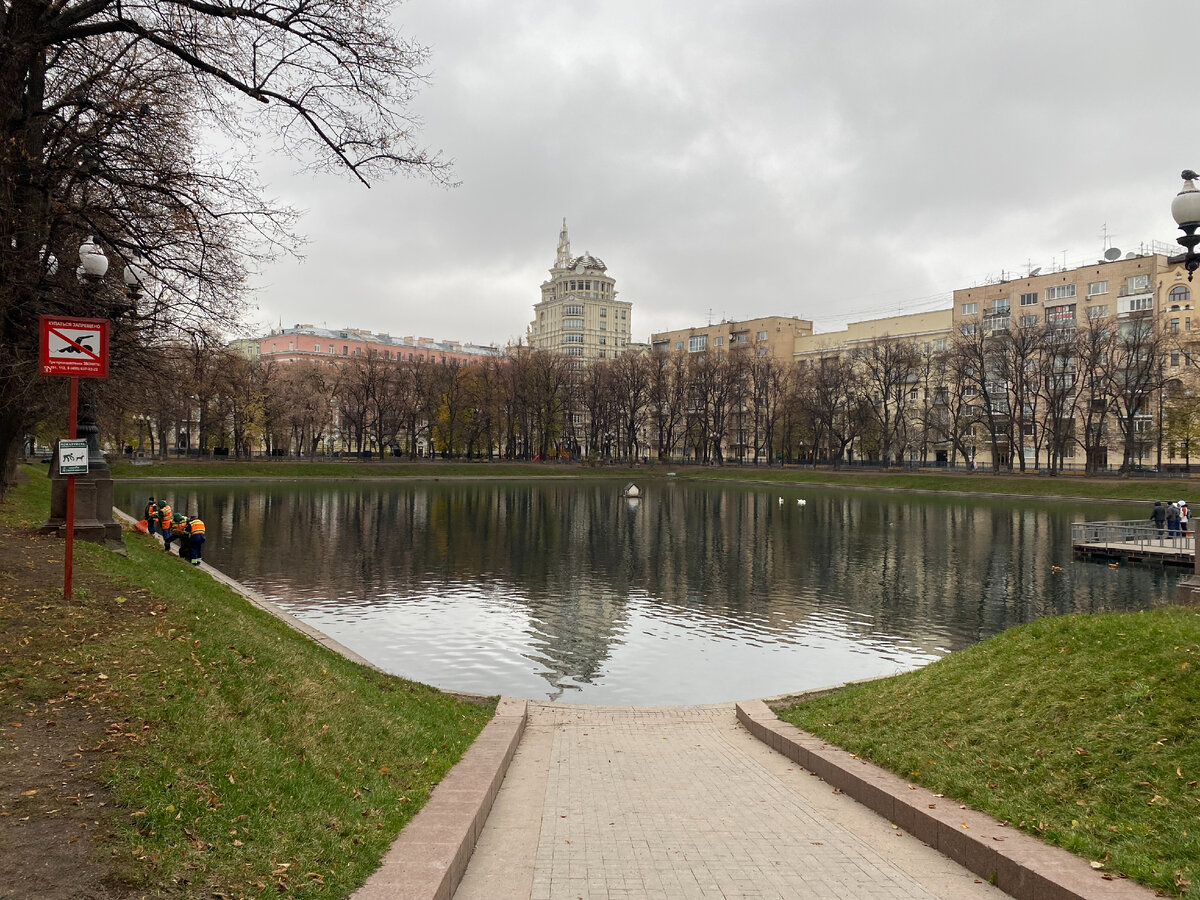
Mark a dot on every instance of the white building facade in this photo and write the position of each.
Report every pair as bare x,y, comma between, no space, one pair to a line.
579,314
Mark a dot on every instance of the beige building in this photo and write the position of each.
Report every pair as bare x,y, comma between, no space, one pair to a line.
579,314
931,330
1119,287
773,336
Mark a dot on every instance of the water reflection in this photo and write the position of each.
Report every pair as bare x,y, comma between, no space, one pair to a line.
693,594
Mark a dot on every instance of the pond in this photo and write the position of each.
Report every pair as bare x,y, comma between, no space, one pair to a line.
696,593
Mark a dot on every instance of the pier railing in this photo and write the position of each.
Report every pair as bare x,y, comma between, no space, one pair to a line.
1138,532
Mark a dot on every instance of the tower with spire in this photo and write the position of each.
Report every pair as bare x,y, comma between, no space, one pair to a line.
579,314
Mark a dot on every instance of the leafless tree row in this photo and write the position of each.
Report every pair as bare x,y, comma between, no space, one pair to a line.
1023,398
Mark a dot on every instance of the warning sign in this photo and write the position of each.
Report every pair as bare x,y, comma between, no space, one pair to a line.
77,348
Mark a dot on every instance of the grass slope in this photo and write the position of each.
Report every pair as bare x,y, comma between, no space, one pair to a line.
1082,730
246,760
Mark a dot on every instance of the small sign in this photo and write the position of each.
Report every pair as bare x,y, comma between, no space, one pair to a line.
73,457
77,348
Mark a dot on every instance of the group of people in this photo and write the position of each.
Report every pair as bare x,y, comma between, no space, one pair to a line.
173,526
1173,515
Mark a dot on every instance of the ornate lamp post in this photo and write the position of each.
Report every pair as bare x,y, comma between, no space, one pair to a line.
93,515
1186,210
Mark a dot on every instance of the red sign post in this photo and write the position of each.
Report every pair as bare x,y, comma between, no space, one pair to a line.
72,348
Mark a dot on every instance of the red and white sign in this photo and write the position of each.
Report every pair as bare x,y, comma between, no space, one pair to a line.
77,348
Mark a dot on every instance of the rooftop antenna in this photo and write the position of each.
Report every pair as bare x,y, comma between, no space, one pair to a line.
710,315
1035,271
1112,253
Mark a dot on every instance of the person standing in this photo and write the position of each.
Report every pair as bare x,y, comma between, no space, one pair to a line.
150,515
164,523
1173,520
195,530
1183,517
1158,515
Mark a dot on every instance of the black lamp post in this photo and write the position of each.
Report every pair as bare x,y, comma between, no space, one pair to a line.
1186,210
94,491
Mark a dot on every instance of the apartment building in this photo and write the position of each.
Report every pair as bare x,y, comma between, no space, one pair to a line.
931,331
579,314
334,346
772,336
1134,400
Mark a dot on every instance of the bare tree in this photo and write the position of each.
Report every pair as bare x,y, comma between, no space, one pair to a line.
101,108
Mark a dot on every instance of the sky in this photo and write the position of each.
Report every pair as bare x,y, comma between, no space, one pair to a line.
835,161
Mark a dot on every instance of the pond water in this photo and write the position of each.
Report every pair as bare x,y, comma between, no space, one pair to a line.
564,589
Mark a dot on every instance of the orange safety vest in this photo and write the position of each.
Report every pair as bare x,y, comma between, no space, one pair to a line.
179,529
151,511
164,515
196,527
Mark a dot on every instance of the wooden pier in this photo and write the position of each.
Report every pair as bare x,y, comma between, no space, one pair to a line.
1133,542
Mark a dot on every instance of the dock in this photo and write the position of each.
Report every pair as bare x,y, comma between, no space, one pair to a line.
1138,541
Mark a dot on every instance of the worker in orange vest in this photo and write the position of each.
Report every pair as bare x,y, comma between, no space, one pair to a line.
150,515
195,530
164,523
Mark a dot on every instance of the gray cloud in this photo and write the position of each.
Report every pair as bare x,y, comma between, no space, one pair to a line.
834,161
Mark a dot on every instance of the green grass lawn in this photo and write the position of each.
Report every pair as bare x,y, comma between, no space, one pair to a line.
245,759
1083,730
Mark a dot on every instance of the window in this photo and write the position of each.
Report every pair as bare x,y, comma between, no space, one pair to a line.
1061,315
679,345
718,341
345,350
1097,287
1029,299
1133,304
573,311
1060,292
761,352
1179,294
316,348
1174,358
969,309
600,353
1097,312
1028,321
1174,327
1139,282
969,327
1000,307
762,335
573,351
741,337
697,342
572,338
603,313
623,313
603,341
573,324
604,326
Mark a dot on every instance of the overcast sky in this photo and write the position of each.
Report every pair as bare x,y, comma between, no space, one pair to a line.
835,161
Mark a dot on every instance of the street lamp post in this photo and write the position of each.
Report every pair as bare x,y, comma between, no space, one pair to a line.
93,514
1186,210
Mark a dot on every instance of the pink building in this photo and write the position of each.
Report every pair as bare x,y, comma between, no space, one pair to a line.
323,344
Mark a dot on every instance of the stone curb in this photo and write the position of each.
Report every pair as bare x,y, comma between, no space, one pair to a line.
429,858
1018,864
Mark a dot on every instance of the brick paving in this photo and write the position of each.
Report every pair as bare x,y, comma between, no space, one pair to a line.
681,802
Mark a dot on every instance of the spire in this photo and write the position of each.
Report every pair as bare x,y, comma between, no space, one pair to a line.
563,259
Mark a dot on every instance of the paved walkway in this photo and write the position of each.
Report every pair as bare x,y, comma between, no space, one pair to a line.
682,802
